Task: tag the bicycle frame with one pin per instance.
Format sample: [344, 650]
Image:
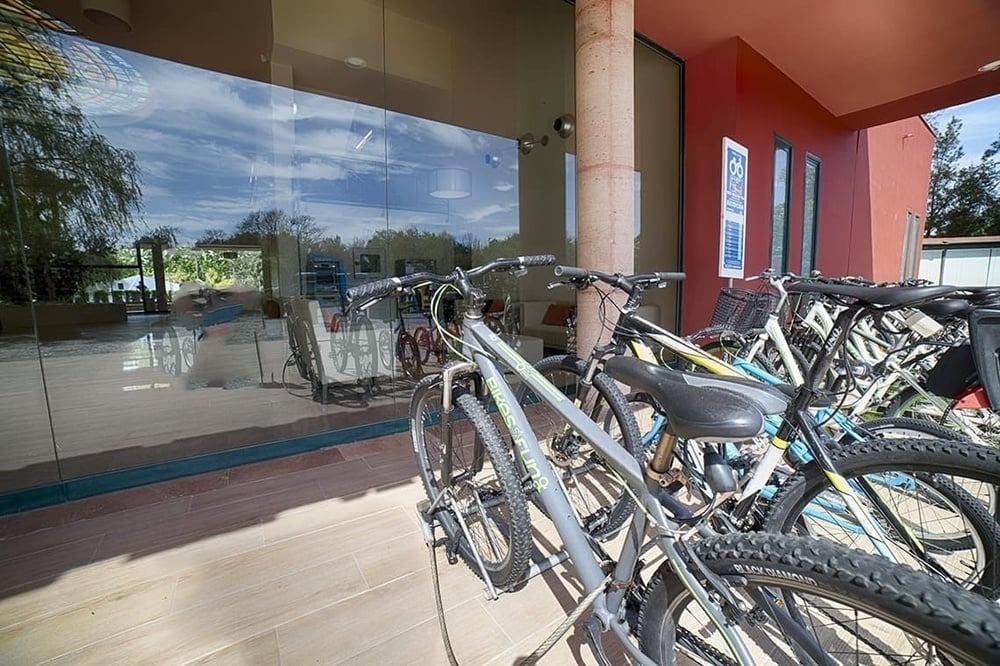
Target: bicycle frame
[780, 435]
[482, 345]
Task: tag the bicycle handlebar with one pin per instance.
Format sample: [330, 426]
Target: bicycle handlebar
[573, 274]
[387, 286]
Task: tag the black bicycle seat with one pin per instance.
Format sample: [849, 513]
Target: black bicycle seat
[886, 297]
[946, 307]
[707, 413]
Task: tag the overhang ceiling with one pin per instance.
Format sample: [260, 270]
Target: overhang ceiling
[866, 61]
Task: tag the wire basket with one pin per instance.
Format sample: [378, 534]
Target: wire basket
[741, 309]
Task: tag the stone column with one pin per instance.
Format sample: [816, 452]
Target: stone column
[605, 147]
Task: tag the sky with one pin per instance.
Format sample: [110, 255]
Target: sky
[980, 125]
[213, 148]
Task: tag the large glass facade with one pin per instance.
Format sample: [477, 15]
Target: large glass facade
[184, 205]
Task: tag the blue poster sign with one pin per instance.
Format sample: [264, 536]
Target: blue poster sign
[732, 233]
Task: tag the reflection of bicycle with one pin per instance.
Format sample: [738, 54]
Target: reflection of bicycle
[433, 338]
[506, 322]
[407, 351]
[354, 347]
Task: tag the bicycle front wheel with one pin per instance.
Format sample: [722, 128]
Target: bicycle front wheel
[598, 497]
[461, 456]
[926, 495]
[855, 608]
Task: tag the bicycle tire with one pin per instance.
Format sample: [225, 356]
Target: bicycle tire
[791, 569]
[910, 403]
[385, 350]
[425, 343]
[494, 506]
[912, 467]
[896, 427]
[409, 356]
[600, 501]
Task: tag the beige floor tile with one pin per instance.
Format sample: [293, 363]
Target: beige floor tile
[474, 639]
[333, 511]
[225, 621]
[386, 561]
[260, 650]
[39, 640]
[360, 623]
[82, 529]
[227, 576]
[119, 574]
[48, 564]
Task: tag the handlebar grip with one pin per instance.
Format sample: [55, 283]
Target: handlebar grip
[538, 260]
[671, 277]
[571, 272]
[376, 289]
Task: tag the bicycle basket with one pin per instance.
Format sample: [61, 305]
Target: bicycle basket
[740, 309]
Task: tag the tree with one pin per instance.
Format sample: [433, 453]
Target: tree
[963, 200]
[67, 196]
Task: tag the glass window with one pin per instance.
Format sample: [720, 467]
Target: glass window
[184, 294]
[810, 214]
[780, 204]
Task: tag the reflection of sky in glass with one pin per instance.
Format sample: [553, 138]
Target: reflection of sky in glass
[213, 148]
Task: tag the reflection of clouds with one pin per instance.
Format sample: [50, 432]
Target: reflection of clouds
[479, 214]
[215, 148]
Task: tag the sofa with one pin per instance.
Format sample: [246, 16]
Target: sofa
[547, 320]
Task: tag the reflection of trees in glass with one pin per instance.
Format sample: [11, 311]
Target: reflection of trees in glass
[77, 195]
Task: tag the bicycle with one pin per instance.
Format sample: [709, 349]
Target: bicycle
[874, 490]
[740, 584]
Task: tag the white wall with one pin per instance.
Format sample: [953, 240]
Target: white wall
[962, 266]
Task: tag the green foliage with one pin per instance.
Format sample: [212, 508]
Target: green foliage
[76, 198]
[963, 200]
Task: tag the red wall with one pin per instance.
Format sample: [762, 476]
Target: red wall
[899, 167]
[733, 91]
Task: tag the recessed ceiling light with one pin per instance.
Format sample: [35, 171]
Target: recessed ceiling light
[990, 66]
[355, 62]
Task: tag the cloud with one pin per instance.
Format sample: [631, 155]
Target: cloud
[504, 186]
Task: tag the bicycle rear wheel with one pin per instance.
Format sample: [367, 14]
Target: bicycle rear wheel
[481, 483]
[927, 491]
[859, 609]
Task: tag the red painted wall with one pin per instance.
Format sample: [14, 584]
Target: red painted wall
[733, 91]
[899, 166]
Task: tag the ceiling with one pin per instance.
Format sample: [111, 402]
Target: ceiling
[866, 61]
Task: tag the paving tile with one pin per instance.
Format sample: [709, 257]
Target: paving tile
[39, 640]
[83, 584]
[474, 639]
[261, 650]
[197, 632]
[358, 624]
[282, 466]
[229, 575]
[48, 564]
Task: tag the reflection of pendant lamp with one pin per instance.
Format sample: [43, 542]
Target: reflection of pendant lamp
[111, 14]
[450, 183]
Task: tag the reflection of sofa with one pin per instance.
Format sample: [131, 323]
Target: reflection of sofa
[547, 320]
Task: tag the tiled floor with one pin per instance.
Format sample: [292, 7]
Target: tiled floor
[314, 559]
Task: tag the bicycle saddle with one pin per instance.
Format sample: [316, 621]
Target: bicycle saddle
[891, 297]
[706, 413]
[946, 307]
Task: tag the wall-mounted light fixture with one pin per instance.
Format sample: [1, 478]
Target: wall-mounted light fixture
[450, 183]
[113, 15]
[565, 125]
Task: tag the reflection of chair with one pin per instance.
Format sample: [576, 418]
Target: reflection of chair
[306, 352]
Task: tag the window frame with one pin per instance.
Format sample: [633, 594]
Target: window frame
[781, 143]
[810, 218]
